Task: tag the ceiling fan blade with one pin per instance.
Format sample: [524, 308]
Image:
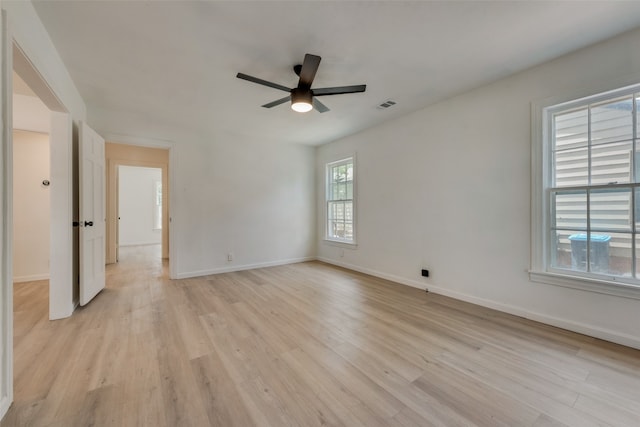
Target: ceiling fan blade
[338, 90]
[319, 106]
[308, 71]
[262, 82]
[277, 102]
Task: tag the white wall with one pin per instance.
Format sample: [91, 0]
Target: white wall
[448, 188]
[29, 113]
[230, 195]
[30, 206]
[251, 199]
[31, 210]
[136, 205]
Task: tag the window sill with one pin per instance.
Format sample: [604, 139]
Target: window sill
[340, 244]
[589, 284]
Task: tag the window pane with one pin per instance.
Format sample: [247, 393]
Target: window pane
[637, 96]
[571, 167]
[335, 173]
[348, 231]
[612, 257]
[333, 191]
[612, 121]
[611, 163]
[342, 173]
[637, 256]
[338, 229]
[609, 253]
[571, 129]
[342, 191]
[333, 211]
[570, 209]
[637, 209]
[340, 200]
[561, 250]
[610, 210]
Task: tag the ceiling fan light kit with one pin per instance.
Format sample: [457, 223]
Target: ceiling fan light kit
[302, 97]
[301, 100]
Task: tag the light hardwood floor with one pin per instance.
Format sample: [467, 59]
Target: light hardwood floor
[303, 345]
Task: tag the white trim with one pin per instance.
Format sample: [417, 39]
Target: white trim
[340, 244]
[31, 278]
[6, 223]
[5, 403]
[581, 328]
[140, 141]
[574, 281]
[209, 272]
[122, 245]
[391, 277]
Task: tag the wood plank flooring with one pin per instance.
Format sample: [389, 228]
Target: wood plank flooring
[303, 345]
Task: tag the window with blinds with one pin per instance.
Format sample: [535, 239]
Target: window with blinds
[340, 201]
[594, 186]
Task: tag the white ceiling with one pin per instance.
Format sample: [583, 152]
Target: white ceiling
[177, 60]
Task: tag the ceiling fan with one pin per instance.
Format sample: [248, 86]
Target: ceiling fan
[302, 97]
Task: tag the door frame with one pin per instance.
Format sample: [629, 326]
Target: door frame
[6, 220]
[62, 283]
[62, 300]
[171, 167]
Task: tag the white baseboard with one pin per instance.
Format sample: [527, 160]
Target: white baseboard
[581, 328]
[232, 268]
[122, 245]
[5, 403]
[391, 277]
[31, 278]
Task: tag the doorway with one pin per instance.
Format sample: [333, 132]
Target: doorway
[41, 133]
[140, 207]
[31, 204]
[138, 166]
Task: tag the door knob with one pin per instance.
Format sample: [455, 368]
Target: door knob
[88, 223]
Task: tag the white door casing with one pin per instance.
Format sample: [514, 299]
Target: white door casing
[92, 213]
[6, 185]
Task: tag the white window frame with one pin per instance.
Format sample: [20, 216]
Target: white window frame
[348, 243]
[157, 207]
[541, 178]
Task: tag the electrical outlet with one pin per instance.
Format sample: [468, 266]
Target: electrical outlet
[425, 273]
[230, 256]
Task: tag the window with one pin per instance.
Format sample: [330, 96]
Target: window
[340, 201]
[157, 205]
[587, 218]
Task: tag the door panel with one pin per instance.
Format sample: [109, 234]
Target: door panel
[92, 213]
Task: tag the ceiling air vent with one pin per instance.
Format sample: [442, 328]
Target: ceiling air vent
[386, 104]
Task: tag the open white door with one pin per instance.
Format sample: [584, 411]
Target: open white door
[92, 213]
